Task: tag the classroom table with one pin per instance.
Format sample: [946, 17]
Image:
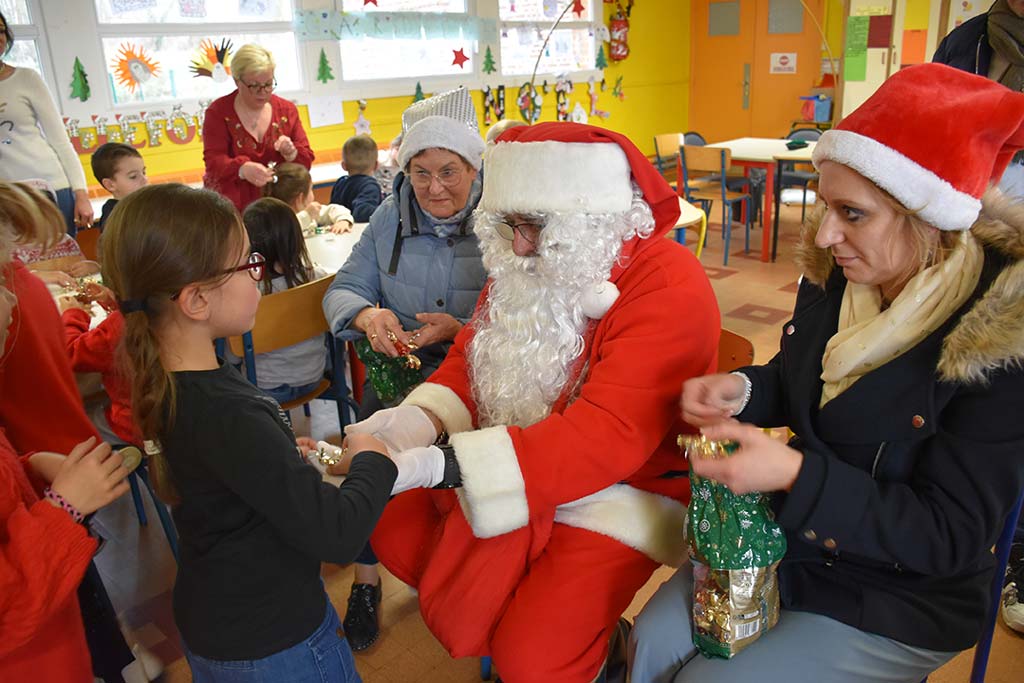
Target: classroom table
[761, 153]
[330, 251]
[803, 156]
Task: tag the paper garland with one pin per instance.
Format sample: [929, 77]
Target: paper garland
[311, 25]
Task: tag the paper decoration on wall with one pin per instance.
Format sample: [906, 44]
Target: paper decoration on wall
[488, 66]
[256, 8]
[460, 58]
[577, 8]
[370, 2]
[181, 128]
[333, 24]
[579, 114]
[563, 88]
[213, 61]
[193, 9]
[362, 124]
[601, 62]
[125, 6]
[619, 29]
[602, 34]
[529, 101]
[418, 95]
[550, 8]
[324, 72]
[133, 66]
[617, 89]
[489, 101]
[79, 82]
[592, 91]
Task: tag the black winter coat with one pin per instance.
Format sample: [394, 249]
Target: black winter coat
[966, 47]
[908, 475]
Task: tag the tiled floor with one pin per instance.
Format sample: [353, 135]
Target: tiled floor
[136, 564]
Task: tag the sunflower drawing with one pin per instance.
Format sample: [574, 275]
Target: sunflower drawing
[133, 66]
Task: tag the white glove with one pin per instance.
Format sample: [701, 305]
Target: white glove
[400, 428]
[420, 467]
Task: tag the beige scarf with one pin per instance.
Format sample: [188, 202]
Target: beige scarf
[868, 337]
[1006, 36]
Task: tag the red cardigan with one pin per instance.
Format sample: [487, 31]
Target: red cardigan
[40, 406]
[227, 145]
[93, 351]
[43, 556]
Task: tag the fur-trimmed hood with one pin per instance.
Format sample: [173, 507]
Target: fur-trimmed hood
[990, 335]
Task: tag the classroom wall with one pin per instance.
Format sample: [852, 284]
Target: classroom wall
[655, 80]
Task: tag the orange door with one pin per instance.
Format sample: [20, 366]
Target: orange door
[733, 91]
[721, 67]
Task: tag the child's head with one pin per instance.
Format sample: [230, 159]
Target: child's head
[274, 231]
[171, 255]
[119, 168]
[294, 186]
[359, 155]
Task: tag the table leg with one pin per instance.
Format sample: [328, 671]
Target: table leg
[769, 196]
[778, 205]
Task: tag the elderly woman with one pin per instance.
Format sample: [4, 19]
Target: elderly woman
[415, 274]
[901, 376]
[34, 142]
[246, 131]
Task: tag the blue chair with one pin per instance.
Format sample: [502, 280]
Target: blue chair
[141, 474]
[715, 160]
[1002, 552]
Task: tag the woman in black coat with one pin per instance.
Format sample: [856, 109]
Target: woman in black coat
[900, 374]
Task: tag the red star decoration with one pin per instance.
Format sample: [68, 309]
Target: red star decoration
[577, 7]
[370, 2]
[460, 58]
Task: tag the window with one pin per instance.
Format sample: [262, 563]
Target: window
[169, 64]
[411, 48]
[25, 51]
[525, 23]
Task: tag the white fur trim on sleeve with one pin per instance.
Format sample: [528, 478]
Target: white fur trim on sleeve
[493, 495]
[547, 176]
[935, 200]
[443, 402]
[645, 521]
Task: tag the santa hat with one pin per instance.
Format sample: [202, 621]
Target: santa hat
[576, 168]
[447, 121]
[933, 137]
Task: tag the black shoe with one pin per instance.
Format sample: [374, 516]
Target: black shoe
[361, 620]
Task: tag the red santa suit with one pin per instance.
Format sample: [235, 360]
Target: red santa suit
[560, 522]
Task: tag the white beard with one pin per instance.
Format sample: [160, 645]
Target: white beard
[530, 333]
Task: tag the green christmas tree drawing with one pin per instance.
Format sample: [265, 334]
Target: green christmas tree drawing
[324, 72]
[602, 61]
[488, 65]
[419, 93]
[80, 82]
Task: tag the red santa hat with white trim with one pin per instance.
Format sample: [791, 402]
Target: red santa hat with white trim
[575, 168]
[933, 137]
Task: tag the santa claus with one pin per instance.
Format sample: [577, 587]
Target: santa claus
[555, 413]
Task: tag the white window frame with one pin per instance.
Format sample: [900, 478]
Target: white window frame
[597, 12]
[35, 33]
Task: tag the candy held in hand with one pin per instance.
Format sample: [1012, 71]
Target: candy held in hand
[391, 378]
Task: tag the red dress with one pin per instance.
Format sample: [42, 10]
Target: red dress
[560, 523]
[227, 145]
[43, 556]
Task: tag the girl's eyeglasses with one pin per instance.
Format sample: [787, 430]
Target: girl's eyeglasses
[256, 266]
[508, 231]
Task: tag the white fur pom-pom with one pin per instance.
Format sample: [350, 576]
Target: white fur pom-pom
[598, 298]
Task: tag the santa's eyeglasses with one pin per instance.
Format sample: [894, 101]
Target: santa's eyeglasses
[527, 230]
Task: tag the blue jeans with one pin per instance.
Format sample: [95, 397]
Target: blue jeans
[286, 392]
[324, 657]
[66, 204]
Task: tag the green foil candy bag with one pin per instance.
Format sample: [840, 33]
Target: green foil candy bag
[391, 378]
[735, 546]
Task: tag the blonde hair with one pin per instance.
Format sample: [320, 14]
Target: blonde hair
[30, 216]
[293, 181]
[161, 239]
[250, 59]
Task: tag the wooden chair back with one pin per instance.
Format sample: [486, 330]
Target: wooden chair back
[700, 159]
[287, 318]
[88, 241]
[734, 351]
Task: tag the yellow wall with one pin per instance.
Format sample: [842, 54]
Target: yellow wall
[656, 81]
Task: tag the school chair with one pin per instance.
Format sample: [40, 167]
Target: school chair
[141, 474]
[790, 176]
[695, 160]
[685, 223]
[289, 317]
[734, 351]
[88, 241]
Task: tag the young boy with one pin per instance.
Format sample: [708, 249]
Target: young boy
[359, 190]
[120, 170]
